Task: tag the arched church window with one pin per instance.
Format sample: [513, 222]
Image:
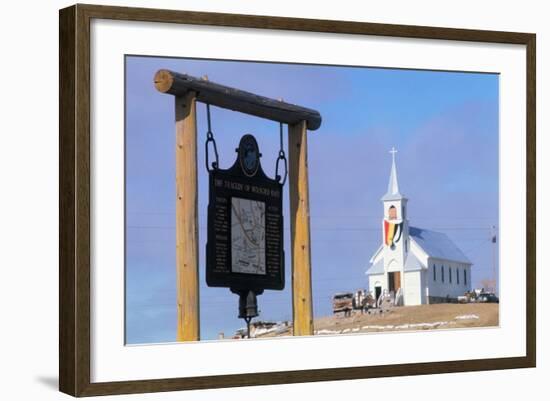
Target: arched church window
[457, 276]
[450, 275]
[442, 274]
[392, 213]
[435, 274]
[465, 282]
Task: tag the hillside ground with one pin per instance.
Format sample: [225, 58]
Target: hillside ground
[422, 317]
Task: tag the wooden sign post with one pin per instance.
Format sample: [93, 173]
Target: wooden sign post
[187, 91]
[302, 303]
[187, 239]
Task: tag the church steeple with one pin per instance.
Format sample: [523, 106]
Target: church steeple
[395, 232]
[395, 204]
[393, 186]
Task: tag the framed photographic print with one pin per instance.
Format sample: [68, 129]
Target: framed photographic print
[250, 200]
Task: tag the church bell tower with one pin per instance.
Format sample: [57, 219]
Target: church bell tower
[395, 231]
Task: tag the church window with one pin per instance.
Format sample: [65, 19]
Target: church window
[450, 275]
[465, 283]
[442, 274]
[435, 274]
[457, 276]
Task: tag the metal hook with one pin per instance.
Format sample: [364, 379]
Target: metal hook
[282, 157]
[277, 176]
[210, 138]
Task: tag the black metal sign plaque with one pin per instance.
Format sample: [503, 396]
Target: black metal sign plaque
[244, 249]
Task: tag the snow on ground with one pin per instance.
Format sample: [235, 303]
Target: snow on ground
[385, 327]
[467, 317]
[324, 331]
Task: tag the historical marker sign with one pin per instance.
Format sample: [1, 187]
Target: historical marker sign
[245, 225]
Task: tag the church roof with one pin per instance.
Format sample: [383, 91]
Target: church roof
[377, 268]
[437, 245]
[434, 244]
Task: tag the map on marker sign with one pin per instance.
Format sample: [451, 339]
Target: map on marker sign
[247, 236]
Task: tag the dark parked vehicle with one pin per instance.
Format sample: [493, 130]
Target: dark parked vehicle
[487, 297]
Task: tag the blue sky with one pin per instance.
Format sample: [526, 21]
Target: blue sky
[443, 124]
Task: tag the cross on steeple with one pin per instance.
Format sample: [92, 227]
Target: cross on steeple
[393, 186]
[393, 151]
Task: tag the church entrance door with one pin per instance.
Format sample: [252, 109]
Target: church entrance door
[377, 292]
[394, 281]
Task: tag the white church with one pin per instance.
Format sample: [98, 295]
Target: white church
[420, 266]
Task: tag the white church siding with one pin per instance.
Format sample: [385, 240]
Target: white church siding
[412, 288]
[447, 287]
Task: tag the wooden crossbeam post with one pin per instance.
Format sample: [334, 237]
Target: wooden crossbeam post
[187, 250]
[302, 305]
[188, 90]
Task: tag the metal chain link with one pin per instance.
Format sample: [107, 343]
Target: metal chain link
[282, 156]
[210, 138]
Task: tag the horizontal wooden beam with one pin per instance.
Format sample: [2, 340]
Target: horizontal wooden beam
[178, 84]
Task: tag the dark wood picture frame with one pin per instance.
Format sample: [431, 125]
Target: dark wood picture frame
[74, 199]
